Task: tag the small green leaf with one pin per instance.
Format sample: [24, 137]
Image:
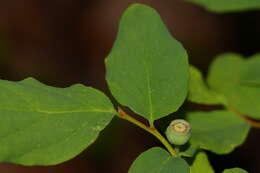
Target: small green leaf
[225, 77]
[42, 125]
[201, 164]
[235, 170]
[147, 68]
[228, 5]
[199, 91]
[217, 131]
[157, 160]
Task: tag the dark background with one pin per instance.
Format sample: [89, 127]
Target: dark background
[63, 42]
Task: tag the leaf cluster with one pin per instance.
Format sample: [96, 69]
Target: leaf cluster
[148, 72]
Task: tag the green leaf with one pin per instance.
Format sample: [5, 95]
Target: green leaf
[228, 5]
[157, 160]
[199, 91]
[250, 72]
[147, 68]
[201, 164]
[235, 170]
[217, 131]
[42, 125]
[225, 77]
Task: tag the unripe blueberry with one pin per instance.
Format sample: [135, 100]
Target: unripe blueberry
[178, 132]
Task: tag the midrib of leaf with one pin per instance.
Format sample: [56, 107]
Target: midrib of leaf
[32, 124]
[49, 145]
[58, 112]
[149, 91]
[163, 164]
[74, 111]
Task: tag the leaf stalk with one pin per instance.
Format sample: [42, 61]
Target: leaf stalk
[251, 122]
[122, 114]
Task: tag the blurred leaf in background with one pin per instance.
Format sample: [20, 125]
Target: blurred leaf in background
[228, 5]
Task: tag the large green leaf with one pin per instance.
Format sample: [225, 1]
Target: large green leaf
[201, 164]
[217, 131]
[225, 77]
[147, 68]
[199, 91]
[157, 160]
[42, 125]
[228, 5]
[235, 170]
